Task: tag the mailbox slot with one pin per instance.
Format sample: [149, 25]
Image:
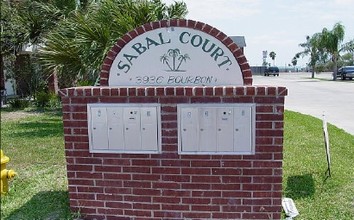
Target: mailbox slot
[216, 128]
[124, 128]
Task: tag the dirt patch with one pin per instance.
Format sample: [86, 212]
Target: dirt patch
[9, 116]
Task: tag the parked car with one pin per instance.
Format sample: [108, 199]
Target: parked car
[272, 70]
[346, 72]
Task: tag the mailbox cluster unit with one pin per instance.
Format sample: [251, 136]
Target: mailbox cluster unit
[216, 128]
[202, 128]
[133, 128]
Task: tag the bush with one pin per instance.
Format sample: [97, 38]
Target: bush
[19, 103]
[45, 99]
[42, 99]
[54, 101]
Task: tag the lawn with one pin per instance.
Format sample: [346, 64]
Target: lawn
[35, 146]
[305, 165]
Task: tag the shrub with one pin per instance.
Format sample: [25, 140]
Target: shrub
[54, 101]
[42, 99]
[50, 100]
[18, 103]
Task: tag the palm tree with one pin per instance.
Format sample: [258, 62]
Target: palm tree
[40, 17]
[32, 22]
[79, 45]
[182, 58]
[164, 59]
[331, 41]
[312, 48]
[272, 55]
[173, 53]
[27, 23]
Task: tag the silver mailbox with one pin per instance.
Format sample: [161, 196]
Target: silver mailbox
[216, 128]
[124, 128]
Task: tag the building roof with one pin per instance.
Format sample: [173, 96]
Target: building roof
[239, 41]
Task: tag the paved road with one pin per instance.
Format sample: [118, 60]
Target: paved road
[317, 96]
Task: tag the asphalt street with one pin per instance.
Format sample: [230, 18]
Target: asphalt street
[334, 99]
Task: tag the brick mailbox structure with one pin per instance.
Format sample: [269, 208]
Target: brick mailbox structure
[172, 182]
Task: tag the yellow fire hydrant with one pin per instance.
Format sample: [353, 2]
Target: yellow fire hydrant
[6, 175]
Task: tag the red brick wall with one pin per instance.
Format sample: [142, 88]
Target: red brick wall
[168, 185]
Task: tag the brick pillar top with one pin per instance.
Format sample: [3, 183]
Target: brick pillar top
[175, 53]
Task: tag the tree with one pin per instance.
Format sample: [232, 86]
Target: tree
[26, 23]
[312, 49]
[331, 41]
[29, 23]
[12, 38]
[78, 46]
[39, 18]
[346, 59]
[272, 55]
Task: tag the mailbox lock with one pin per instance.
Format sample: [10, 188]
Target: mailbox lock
[184, 129]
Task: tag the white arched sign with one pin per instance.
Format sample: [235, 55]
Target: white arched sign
[175, 56]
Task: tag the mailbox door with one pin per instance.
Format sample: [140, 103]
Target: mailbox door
[115, 128]
[132, 134]
[99, 133]
[188, 129]
[243, 129]
[149, 137]
[207, 129]
[224, 122]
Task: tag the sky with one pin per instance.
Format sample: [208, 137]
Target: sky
[273, 25]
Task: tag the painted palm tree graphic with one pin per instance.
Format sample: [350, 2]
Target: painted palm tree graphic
[177, 59]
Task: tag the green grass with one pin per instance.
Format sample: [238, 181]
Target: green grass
[305, 165]
[36, 149]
